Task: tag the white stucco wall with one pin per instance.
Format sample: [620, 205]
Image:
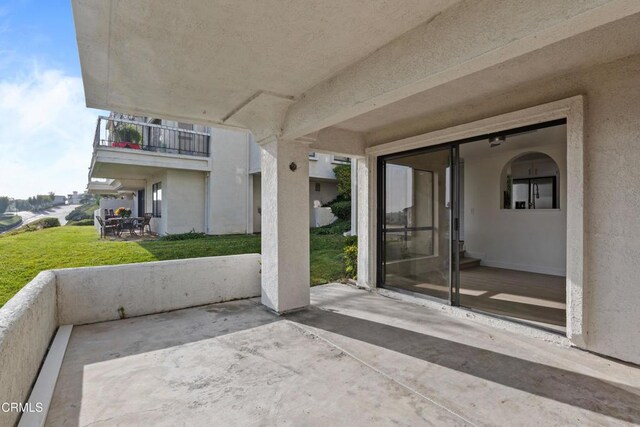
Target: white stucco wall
[183, 201]
[322, 166]
[27, 324]
[96, 294]
[120, 202]
[322, 216]
[29, 320]
[527, 240]
[229, 190]
[328, 192]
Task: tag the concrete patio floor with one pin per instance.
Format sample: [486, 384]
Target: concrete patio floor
[353, 358]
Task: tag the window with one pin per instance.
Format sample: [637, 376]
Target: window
[341, 160]
[410, 200]
[156, 207]
[530, 181]
[317, 186]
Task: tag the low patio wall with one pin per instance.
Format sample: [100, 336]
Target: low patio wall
[96, 294]
[96, 224]
[27, 324]
[29, 320]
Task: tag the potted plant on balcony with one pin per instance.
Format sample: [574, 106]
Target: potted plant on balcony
[127, 136]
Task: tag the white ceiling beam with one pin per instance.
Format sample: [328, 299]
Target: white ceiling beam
[457, 43]
[338, 141]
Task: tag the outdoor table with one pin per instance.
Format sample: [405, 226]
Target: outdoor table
[126, 223]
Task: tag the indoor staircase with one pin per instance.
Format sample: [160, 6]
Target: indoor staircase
[466, 261]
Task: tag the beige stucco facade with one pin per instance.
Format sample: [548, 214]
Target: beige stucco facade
[421, 74]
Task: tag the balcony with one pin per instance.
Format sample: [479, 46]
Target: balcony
[133, 135]
[129, 152]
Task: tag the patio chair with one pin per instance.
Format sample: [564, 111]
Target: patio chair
[130, 224]
[146, 222]
[105, 228]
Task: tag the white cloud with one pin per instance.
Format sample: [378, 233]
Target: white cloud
[46, 134]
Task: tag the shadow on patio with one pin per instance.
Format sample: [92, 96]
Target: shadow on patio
[565, 386]
[344, 359]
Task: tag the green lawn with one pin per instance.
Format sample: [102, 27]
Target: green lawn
[23, 256]
[8, 221]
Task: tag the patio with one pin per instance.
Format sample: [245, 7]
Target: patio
[353, 356]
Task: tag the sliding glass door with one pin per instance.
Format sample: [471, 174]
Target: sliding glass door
[415, 231]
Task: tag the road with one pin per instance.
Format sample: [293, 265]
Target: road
[58, 212]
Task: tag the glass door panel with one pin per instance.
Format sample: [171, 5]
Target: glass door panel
[416, 231]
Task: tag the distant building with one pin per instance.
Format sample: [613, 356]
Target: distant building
[74, 198]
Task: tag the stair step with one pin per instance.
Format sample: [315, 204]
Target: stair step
[467, 262]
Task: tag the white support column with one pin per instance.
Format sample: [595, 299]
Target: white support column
[285, 225]
[354, 196]
[366, 226]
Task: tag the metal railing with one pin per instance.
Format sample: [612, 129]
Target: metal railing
[134, 135]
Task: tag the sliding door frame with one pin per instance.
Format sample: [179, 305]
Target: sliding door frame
[454, 195]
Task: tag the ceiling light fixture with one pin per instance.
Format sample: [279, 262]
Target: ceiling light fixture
[494, 141]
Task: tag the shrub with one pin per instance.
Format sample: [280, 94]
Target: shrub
[47, 222]
[8, 222]
[340, 227]
[81, 222]
[184, 236]
[341, 209]
[351, 256]
[343, 175]
[40, 224]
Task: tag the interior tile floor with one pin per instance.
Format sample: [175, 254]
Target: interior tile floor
[533, 298]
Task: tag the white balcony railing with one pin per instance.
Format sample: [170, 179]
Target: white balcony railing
[134, 135]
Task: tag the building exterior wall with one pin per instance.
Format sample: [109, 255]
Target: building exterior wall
[120, 202]
[229, 196]
[158, 225]
[321, 166]
[328, 191]
[224, 199]
[183, 201]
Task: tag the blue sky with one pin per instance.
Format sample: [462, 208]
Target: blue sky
[45, 129]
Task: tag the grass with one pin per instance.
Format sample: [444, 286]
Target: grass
[8, 221]
[23, 256]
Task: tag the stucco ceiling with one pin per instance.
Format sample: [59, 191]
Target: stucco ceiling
[206, 58]
[604, 44]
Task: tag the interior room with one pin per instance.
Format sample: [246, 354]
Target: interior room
[500, 203]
